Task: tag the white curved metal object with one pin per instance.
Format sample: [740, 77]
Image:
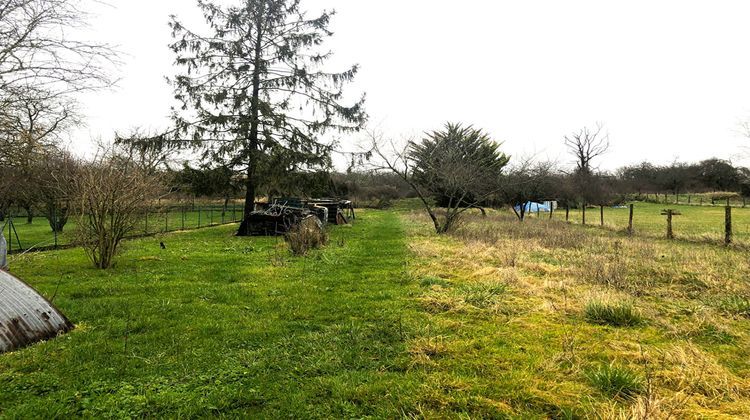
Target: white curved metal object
[26, 317]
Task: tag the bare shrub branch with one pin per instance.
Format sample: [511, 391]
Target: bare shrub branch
[113, 193]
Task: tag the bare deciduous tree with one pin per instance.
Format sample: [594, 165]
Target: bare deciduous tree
[55, 182]
[41, 66]
[112, 194]
[30, 133]
[36, 49]
[587, 144]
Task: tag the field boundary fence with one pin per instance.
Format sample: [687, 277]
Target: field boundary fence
[22, 236]
[729, 225]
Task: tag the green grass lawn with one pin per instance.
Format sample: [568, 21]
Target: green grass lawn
[497, 320]
[219, 324]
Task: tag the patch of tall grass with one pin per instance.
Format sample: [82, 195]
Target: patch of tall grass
[616, 381]
[613, 313]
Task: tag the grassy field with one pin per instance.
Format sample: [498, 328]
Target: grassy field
[497, 320]
[219, 324]
[570, 322]
[696, 223]
[38, 234]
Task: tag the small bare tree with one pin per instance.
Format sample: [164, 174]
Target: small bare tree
[586, 145]
[55, 182]
[112, 195]
[456, 168]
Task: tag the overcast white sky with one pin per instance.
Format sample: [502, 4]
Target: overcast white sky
[669, 78]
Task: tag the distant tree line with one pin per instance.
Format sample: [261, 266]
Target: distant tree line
[709, 175]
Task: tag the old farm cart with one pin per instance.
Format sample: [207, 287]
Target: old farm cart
[280, 215]
[25, 316]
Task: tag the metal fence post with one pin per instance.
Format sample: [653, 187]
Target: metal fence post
[10, 224]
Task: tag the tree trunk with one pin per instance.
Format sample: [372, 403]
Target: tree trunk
[250, 183]
[57, 217]
[583, 214]
[29, 214]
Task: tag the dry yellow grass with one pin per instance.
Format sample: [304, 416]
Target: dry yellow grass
[527, 348]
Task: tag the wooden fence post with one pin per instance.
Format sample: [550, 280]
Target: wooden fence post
[551, 209]
[601, 214]
[583, 214]
[199, 216]
[670, 232]
[689, 198]
[669, 213]
[728, 225]
[630, 220]
[567, 213]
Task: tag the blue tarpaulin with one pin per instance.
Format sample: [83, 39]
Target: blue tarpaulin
[532, 207]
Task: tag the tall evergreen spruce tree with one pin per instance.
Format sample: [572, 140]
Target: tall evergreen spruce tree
[254, 93]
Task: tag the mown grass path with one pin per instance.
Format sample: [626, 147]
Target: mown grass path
[219, 325]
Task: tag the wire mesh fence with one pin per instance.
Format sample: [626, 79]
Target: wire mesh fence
[24, 233]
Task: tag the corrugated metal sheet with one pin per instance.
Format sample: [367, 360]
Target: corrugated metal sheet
[25, 316]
